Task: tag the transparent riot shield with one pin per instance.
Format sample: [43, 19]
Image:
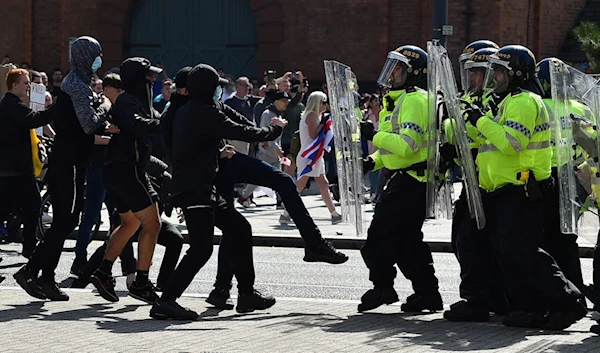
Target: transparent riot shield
[449, 93]
[342, 87]
[439, 189]
[574, 96]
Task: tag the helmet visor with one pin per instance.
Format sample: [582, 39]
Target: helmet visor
[464, 76]
[393, 60]
[477, 79]
[497, 75]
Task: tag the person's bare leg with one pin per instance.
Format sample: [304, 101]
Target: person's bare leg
[121, 235]
[324, 189]
[301, 183]
[150, 221]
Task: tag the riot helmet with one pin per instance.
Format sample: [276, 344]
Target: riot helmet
[476, 67]
[412, 60]
[511, 68]
[466, 54]
[543, 73]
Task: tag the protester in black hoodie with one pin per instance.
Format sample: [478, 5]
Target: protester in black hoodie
[126, 159]
[18, 188]
[77, 119]
[178, 99]
[198, 129]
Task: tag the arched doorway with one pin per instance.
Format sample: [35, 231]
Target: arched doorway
[187, 32]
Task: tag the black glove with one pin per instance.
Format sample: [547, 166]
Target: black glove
[367, 130]
[448, 152]
[473, 114]
[368, 164]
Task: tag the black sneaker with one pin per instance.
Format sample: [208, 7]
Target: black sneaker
[79, 283]
[376, 297]
[255, 301]
[523, 319]
[169, 309]
[219, 298]
[416, 303]
[52, 291]
[28, 282]
[560, 320]
[145, 293]
[105, 284]
[76, 269]
[462, 311]
[324, 252]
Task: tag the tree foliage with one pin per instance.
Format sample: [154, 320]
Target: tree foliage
[588, 34]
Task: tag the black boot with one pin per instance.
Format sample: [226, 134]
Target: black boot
[462, 311]
[220, 299]
[417, 303]
[376, 297]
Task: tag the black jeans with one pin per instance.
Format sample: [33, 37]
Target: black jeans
[532, 280]
[66, 184]
[20, 195]
[245, 169]
[201, 218]
[395, 237]
[169, 237]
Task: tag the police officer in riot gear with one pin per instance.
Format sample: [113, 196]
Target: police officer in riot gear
[562, 247]
[466, 55]
[402, 149]
[480, 286]
[514, 172]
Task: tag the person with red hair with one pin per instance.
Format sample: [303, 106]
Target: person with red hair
[18, 187]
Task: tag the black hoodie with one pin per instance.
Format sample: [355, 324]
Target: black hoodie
[133, 114]
[198, 129]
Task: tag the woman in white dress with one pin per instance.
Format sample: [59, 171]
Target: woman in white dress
[311, 123]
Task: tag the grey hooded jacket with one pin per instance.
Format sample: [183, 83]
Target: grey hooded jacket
[79, 114]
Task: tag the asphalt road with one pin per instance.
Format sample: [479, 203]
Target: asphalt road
[279, 271]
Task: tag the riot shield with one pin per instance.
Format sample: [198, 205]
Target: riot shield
[573, 98]
[439, 189]
[449, 93]
[342, 87]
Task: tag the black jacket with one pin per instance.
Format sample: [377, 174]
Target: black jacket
[133, 114]
[198, 129]
[166, 122]
[16, 119]
[72, 144]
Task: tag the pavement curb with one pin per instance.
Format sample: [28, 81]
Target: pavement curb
[340, 243]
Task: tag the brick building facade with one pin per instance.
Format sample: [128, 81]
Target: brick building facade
[294, 34]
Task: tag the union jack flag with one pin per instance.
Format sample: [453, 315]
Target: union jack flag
[315, 150]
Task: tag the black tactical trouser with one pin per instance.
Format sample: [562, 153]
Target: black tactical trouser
[562, 247]
[532, 280]
[481, 284]
[395, 237]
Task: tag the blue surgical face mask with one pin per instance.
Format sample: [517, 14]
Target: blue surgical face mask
[218, 93]
[96, 64]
